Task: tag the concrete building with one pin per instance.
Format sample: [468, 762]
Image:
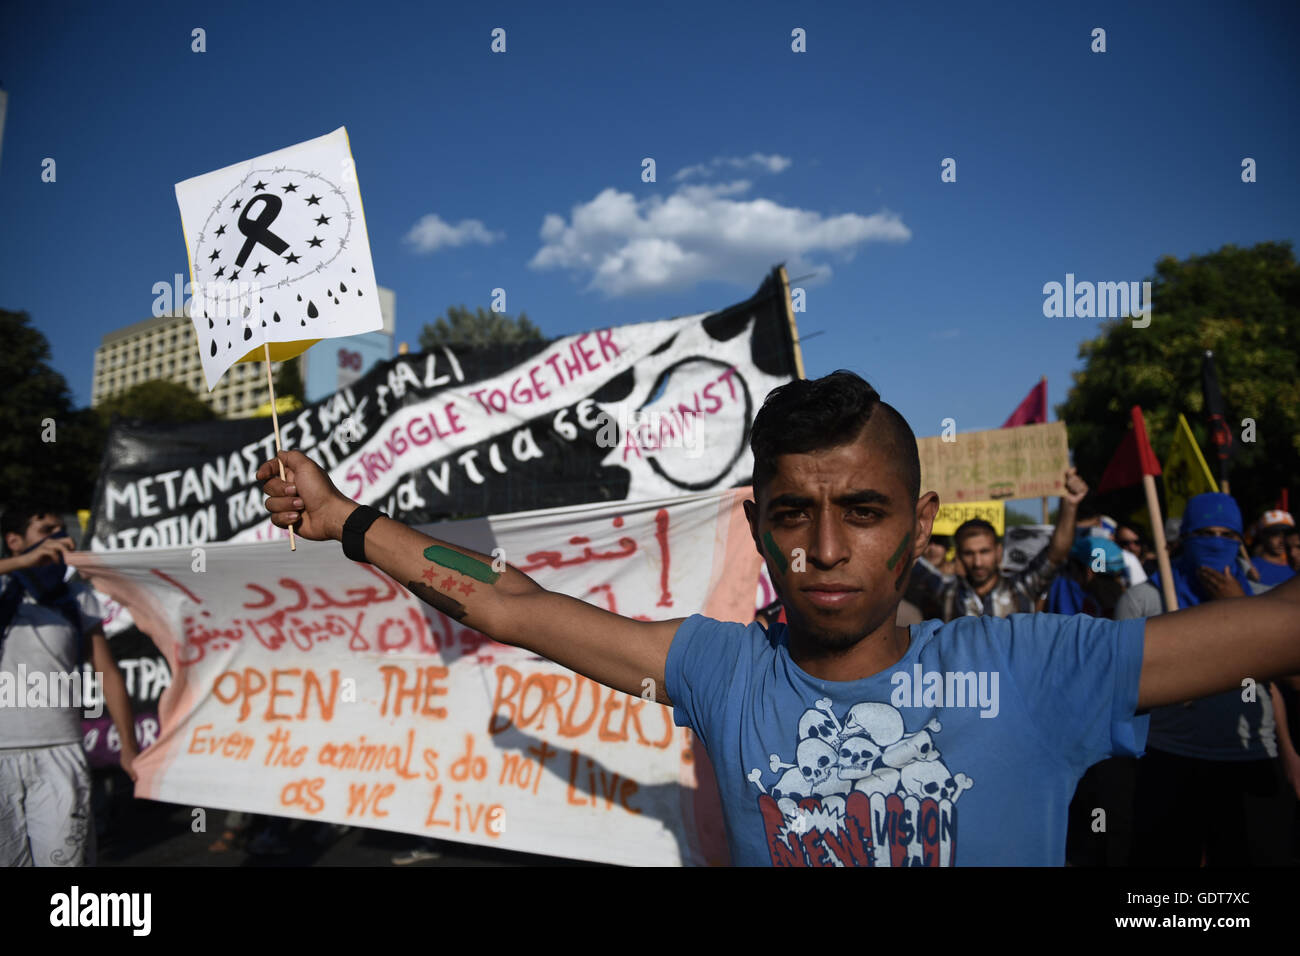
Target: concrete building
[336, 363]
[166, 348]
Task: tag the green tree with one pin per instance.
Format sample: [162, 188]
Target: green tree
[48, 449]
[463, 328]
[156, 401]
[1244, 304]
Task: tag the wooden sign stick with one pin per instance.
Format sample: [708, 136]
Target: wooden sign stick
[275, 424]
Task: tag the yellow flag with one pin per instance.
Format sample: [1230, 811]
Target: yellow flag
[1185, 472]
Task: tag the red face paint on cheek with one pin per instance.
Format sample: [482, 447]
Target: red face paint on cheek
[901, 559]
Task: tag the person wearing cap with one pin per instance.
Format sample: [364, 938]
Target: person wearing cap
[1271, 559]
[1205, 757]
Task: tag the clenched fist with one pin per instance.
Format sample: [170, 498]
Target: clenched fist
[305, 499]
[1076, 489]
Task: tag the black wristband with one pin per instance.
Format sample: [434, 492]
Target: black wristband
[354, 531]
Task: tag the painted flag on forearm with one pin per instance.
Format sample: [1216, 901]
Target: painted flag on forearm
[1133, 459]
[278, 254]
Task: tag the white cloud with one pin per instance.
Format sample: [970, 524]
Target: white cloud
[623, 245]
[431, 234]
[755, 162]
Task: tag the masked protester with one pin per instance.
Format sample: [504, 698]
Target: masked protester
[49, 626]
[1206, 759]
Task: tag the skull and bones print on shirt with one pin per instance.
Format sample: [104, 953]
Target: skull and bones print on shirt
[872, 793]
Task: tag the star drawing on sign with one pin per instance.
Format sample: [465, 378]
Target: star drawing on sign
[236, 204]
[259, 185]
[291, 258]
[259, 270]
[323, 220]
[220, 272]
[221, 230]
[213, 257]
[313, 200]
[291, 188]
[234, 275]
[313, 241]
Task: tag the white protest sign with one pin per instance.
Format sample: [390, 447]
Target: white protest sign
[278, 254]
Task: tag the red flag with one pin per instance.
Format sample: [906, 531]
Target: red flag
[1133, 459]
[1033, 410]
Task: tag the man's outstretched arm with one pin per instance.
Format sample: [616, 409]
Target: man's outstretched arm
[509, 607]
[1214, 646]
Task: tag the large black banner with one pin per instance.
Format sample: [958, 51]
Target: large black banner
[633, 411]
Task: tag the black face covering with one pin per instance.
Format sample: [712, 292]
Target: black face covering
[47, 586]
[46, 582]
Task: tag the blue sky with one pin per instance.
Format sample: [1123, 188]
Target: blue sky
[1067, 161]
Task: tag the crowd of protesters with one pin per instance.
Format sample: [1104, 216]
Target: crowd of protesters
[1218, 784]
[1220, 779]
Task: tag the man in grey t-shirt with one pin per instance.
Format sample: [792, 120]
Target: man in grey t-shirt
[47, 626]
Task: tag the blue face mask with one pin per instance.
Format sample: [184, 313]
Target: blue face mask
[45, 583]
[1216, 553]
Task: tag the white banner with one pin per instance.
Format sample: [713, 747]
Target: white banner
[305, 685]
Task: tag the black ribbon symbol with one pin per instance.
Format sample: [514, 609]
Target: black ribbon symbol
[257, 230]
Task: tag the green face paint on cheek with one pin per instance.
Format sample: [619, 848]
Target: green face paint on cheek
[900, 560]
[774, 552]
[463, 563]
[902, 546]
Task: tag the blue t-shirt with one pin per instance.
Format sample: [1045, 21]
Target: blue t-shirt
[968, 750]
[1270, 573]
